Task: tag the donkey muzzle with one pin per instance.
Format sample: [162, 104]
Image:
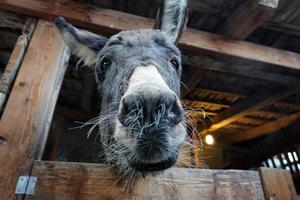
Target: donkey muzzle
[146, 108]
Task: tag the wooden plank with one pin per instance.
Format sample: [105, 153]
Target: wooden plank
[278, 184]
[255, 71]
[246, 106]
[109, 21]
[263, 130]
[26, 119]
[249, 15]
[62, 181]
[15, 60]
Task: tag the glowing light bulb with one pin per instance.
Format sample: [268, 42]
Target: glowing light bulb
[209, 139]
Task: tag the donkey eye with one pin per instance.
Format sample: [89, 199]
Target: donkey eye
[175, 63]
[105, 63]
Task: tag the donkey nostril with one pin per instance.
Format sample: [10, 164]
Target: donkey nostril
[175, 112]
[169, 109]
[131, 111]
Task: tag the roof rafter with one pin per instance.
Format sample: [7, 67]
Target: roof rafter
[109, 21]
[249, 15]
[246, 106]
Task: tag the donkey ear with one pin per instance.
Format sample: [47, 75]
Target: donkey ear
[83, 44]
[172, 17]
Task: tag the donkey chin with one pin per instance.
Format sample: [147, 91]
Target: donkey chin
[150, 125]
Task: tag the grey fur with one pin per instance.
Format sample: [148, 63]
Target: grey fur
[127, 50]
[172, 18]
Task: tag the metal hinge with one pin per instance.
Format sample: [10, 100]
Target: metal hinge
[26, 185]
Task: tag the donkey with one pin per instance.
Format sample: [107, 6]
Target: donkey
[142, 123]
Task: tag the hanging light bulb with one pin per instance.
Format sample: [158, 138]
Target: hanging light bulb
[209, 139]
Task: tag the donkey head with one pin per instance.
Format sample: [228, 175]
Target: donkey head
[141, 122]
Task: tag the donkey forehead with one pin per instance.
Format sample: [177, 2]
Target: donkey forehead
[145, 38]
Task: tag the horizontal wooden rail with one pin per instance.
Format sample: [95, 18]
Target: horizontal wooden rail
[58, 181]
[109, 21]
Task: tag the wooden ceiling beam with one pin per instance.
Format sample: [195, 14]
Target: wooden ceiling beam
[249, 15]
[263, 130]
[254, 71]
[246, 106]
[109, 21]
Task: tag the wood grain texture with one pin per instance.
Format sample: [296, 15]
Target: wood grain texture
[278, 184]
[255, 71]
[15, 60]
[27, 116]
[109, 21]
[66, 181]
[249, 15]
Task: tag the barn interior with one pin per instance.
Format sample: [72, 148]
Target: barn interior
[240, 83]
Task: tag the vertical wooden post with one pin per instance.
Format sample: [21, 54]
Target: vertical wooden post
[277, 184]
[26, 119]
[15, 60]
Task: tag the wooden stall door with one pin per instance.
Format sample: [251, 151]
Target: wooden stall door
[86, 181]
[25, 122]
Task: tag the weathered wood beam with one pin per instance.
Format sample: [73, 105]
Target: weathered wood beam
[265, 129]
[26, 119]
[246, 106]
[109, 21]
[15, 60]
[59, 180]
[256, 71]
[249, 15]
[277, 183]
[272, 145]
